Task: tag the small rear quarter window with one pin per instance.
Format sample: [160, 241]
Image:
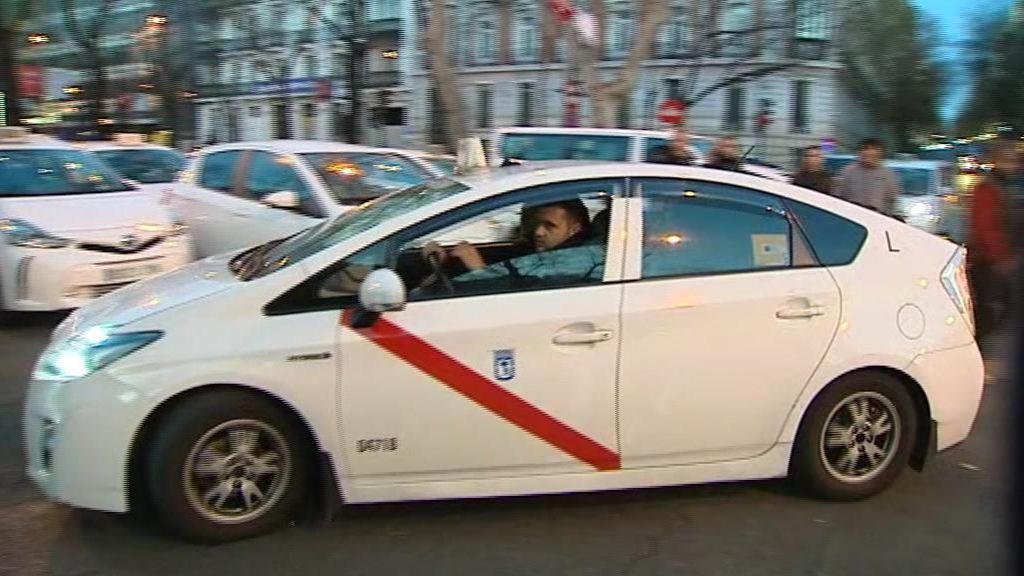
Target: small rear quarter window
[835, 240]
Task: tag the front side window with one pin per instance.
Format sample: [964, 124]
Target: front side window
[354, 178]
[697, 228]
[547, 237]
[39, 172]
[565, 147]
[218, 170]
[269, 173]
[148, 166]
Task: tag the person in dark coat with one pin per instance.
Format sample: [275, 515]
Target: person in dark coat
[812, 173]
[677, 151]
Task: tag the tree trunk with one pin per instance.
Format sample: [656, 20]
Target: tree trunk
[441, 74]
[607, 96]
[100, 89]
[9, 76]
[504, 31]
[356, 66]
[549, 32]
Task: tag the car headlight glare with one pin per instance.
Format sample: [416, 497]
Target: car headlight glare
[18, 232]
[92, 350]
[919, 209]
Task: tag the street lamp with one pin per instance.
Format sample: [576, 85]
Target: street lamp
[156, 20]
[38, 39]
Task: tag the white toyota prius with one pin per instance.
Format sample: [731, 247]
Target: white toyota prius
[71, 230]
[645, 325]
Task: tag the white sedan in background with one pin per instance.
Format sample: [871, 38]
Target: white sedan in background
[704, 326]
[237, 195]
[71, 230]
[148, 165]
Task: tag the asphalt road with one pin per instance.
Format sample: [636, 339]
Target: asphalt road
[949, 520]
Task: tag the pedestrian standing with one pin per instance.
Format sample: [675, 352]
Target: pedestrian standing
[993, 240]
[676, 151]
[812, 173]
[725, 154]
[868, 182]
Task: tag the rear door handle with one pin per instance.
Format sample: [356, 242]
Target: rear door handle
[575, 338]
[800, 312]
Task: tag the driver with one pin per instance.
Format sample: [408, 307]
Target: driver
[551, 226]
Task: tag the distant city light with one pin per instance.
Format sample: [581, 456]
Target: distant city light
[156, 20]
[38, 38]
[389, 54]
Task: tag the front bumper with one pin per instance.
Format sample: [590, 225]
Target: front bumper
[35, 279]
[78, 438]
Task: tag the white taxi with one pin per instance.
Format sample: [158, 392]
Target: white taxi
[148, 165]
[71, 230]
[702, 326]
[238, 195]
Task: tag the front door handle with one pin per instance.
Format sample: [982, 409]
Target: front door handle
[575, 338]
[800, 312]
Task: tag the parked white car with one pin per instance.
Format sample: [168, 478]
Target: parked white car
[609, 144]
[71, 230]
[239, 195]
[706, 326]
[149, 165]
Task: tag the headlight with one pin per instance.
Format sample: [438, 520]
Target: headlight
[92, 350]
[21, 233]
[919, 209]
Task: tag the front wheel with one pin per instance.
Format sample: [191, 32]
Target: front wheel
[856, 437]
[227, 465]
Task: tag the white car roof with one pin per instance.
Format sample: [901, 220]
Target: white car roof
[34, 142]
[97, 146]
[311, 146]
[630, 132]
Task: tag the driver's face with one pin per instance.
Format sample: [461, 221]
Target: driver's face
[554, 226]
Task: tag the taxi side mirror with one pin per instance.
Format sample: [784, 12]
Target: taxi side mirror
[285, 200]
[381, 291]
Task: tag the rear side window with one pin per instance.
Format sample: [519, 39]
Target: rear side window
[218, 170]
[696, 228]
[835, 240]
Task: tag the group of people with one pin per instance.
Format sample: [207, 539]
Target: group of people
[724, 155]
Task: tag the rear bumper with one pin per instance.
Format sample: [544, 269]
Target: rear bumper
[953, 381]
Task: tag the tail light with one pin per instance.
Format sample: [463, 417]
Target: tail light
[954, 280]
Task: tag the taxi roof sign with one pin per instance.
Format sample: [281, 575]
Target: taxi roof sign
[13, 133]
[129, 139]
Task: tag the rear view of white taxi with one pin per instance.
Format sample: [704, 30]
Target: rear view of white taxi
[71, 230]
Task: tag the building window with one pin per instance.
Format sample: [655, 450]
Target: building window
[484, 103]
[672, 88]
[485, 42]
[673, 39]
[624, 113]
[735, 105]
[800, 112]
[526, 39]
[812, 18]
[621, 37]
[338, 64]
[525, 116]
[735, 24]
[436, 117]
[254, 111]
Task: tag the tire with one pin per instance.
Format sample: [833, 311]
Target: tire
[832, 431]
[215, 448]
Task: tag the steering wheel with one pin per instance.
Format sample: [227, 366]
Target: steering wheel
[439, 273]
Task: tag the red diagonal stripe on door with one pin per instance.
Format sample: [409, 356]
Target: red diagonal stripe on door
[484, 392]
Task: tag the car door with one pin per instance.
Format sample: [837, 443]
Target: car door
[265, 173]
[199, 201]
[511, 372]
[727, 321]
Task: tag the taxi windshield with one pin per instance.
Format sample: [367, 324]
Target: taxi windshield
[355, 177]
[56, 171]
[279, 254]
[145, 165]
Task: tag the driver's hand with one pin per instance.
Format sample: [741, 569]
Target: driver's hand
[469, 255]
[435, 249]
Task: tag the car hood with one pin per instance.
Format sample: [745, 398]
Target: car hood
[75, 212]
[158, 294]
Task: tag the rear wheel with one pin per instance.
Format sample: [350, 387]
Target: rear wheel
[856, 437]
[227, 465]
